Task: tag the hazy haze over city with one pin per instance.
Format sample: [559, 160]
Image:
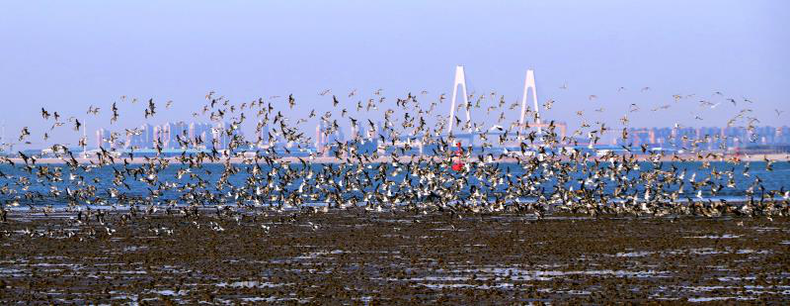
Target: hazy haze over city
[67, 56]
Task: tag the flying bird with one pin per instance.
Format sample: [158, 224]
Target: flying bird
[151, 110]
[24, 133]
[114, 110]
[548, 104]
[77, 124]
[92, 110]
[291, 101]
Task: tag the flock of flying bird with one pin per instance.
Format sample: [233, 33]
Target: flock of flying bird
[544, 174]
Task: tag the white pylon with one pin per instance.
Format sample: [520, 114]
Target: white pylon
[529, 82]
[85, 142]
[460, 79]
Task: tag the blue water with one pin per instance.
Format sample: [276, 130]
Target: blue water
[37, 191]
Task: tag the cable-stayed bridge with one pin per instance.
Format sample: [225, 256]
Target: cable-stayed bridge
[529, 83]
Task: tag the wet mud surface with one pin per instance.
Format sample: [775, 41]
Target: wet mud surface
[357, 257]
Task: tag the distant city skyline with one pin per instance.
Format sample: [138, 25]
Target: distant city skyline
[67, 57]
[182, 135]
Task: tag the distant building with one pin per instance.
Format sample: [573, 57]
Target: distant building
[319, 137]
[146, 136]
[102, 138]
[707, 138]
[265, 133]
[200, 133]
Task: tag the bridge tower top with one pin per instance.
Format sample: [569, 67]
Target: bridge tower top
[460, 79]
[529, 82]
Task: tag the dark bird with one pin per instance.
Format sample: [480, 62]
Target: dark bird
[25, 132]
[151, 110]
[114, 113]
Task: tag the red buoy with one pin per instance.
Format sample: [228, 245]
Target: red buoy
[458, 165]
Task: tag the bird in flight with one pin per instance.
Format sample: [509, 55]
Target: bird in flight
[624, 120]
[666, 106]
[92, 110]
[291, 101]
[77, 124]
[25, 132]
[114, 113]
[548, 104]
[151, 110]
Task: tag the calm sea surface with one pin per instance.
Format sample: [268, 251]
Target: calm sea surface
[38, 190]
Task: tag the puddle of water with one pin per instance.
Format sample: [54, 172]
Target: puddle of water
[170, 292]
[134, 248]
[252, 284]
[750, 251]
[633, 254]
[451, 286]
[697, 251]
[724, 236]
[484, 274]
[718, 298]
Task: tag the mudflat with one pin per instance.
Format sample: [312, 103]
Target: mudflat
[361, 257]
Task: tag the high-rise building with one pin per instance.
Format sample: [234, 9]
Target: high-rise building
[320, 139]
[263, 132]
[172, 131]
[220, 136]
[200, 133]
[354, 133]
[103, 139]
[142, 137]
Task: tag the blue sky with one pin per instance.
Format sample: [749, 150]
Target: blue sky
[66, 56]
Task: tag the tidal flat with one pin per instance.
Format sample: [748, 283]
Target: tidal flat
[361, 257]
